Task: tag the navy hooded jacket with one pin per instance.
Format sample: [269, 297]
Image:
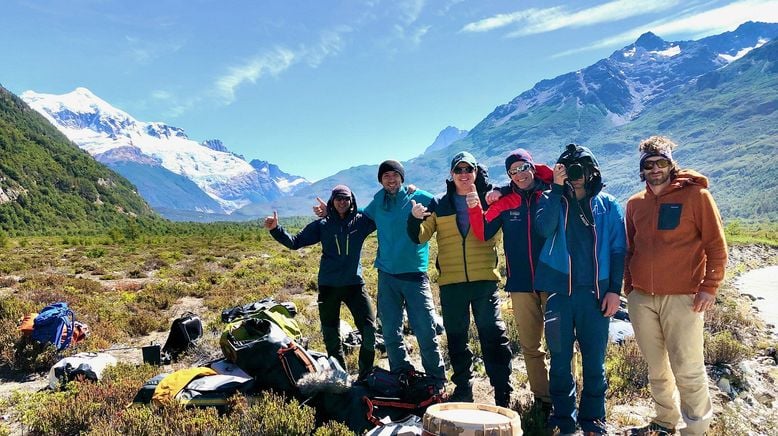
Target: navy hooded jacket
[341, 243]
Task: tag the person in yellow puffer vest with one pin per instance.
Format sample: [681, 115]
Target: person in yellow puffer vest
[468, 279]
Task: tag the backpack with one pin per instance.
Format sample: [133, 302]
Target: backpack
[280, 314]
[87, 366]
[183, 333]
[171, 385]
[213, 390]
[251, 309]
[54, 324]
[262, 349]
[412, 392]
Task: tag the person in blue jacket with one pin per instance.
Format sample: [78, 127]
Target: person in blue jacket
[581, 266]
[341, 234]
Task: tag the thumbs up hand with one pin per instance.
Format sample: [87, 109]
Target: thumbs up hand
[320, 210]
[271, 222]
[418, 210]
[472, 197]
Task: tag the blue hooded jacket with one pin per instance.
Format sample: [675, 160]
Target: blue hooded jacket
[341, 243]
[610, 240]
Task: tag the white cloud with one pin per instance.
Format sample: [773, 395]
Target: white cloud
[278, 60]
[695, 25]
[272, 63]
[330, 44]
[410, 10]
[534, 21]
[143, 52]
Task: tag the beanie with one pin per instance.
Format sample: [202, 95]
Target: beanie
[391, 165]
[517, 155]
[340, 191]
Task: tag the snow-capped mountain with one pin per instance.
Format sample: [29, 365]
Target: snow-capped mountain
[445, 138]
[622, 85]
[146, 151]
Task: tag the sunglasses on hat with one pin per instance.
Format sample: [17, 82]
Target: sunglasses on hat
[649, 164]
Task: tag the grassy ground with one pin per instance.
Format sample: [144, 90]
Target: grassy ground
[128, 291]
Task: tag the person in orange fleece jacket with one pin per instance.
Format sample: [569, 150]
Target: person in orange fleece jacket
[676, 255]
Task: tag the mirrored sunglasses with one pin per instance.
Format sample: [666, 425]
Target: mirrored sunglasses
[526, 167]
[460, 170]
[661, 163]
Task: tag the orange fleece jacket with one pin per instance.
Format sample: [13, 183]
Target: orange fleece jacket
[675, 241]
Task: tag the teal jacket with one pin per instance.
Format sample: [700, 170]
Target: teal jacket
[397, 254]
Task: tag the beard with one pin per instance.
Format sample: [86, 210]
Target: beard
[659, 180]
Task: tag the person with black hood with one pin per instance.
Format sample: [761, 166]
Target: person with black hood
[581, 266]
[514, 213]
[341, 234]
[468, 280]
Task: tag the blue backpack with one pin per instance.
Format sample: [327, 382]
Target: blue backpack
[50, 324]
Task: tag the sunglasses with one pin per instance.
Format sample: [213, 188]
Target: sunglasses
[649, 164]
[460, 170]
[526, 167]
[341, 198]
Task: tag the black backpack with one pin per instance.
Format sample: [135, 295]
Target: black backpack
[183, 333]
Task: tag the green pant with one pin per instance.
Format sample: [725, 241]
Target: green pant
[362, 310]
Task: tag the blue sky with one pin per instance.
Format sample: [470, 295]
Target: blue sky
[318, 86]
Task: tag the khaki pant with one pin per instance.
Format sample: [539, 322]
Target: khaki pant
[669, 334]
[528, 308]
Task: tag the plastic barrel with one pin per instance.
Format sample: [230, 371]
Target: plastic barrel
[470, 419]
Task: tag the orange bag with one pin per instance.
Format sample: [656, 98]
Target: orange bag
[26, 324]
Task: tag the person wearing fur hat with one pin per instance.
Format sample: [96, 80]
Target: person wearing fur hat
[676, 256]
[468, 280]
[341, 234]
[514, 213]
[581, 266]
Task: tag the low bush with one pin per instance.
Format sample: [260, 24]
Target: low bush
[723, 347]
[626, 370]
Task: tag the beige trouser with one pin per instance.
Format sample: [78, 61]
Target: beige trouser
[528, 308]
[669, 334]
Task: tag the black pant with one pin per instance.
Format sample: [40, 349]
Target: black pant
[456, 301]
[363, 312]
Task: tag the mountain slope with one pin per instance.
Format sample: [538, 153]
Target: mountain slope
[715, 97]
[185, 175]
[47, 183]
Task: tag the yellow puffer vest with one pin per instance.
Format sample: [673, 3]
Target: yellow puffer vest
[459, 259]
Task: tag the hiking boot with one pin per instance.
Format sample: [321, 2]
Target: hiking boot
[502, 398]
[461, 395]
[652, 429]
[545, 408]
[594, 427]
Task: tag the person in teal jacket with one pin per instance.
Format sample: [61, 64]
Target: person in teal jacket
[402, 274]
[341, 234]
[581, 266]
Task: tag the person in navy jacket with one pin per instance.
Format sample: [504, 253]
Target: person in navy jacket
[581, 266]
[341, 234]
[514, 212]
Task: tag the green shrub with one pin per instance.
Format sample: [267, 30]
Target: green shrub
[333, 428]
[626, 370]
[723, 347]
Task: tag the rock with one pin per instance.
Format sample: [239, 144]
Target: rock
[725, 386]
